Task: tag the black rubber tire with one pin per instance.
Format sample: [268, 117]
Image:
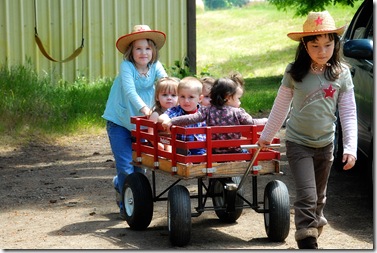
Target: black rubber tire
[277, 219]
[179, 215]
[137, 201]
[219, 200]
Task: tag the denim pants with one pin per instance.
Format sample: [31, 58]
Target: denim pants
[121, 146]
[310, 168]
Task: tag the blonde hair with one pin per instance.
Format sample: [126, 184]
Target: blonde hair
[128, 53]
[207, 83]
[192, 83]
[165, 84]
[238, 78]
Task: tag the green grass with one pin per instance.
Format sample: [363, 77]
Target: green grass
[259, 95]
[250, 40]
[34, 105]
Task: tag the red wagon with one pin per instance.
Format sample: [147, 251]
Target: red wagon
[220, 177]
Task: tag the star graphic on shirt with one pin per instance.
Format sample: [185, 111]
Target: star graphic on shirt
[318, 21]
[329, 92]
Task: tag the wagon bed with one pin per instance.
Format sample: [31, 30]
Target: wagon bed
[209, 164]
[220, 177]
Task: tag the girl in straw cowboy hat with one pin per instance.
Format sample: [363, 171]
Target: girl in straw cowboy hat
[132, 94]
[313, 87]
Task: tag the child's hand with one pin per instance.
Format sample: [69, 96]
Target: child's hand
[166, 124]
[163, 117]
[349, 161]
[263, 144]
[146, 111]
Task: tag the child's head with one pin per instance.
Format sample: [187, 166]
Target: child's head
[166, 94]
[318, 43]
[321, 49]
[189, 93]
[141, 34]
[238, 78]
[227, 91]
[136, 45]
[207, 86]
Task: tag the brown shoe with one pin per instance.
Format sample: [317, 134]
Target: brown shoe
[307, 243]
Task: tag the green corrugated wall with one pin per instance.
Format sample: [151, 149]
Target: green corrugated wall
[59, 25]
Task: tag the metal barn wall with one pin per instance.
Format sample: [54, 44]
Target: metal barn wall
[59, 26]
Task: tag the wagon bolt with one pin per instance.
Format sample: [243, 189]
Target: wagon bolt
[231, 187]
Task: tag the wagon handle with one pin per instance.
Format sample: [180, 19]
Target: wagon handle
[251, 146]
[255, 146]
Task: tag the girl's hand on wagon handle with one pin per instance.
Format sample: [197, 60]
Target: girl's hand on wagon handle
[263, 144]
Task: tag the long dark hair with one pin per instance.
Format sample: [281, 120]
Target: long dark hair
[301, 65]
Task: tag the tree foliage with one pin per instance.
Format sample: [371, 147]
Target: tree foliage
[224, 4]
[303, 7]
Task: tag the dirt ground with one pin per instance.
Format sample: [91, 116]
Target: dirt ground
[60, 196]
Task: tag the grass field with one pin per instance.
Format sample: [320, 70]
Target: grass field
[253, 41]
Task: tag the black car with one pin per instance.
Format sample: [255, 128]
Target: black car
[357, 50]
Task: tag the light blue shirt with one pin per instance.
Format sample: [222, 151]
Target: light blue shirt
[130, 92]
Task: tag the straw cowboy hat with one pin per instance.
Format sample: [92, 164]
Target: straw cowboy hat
[315, 24]
[141, 32]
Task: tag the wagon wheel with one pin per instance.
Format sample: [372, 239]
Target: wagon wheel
[228, 206]
[179, 215]
[137, 201]
[276, 220]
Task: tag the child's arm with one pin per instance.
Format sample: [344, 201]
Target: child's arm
[154, 118]
[246, 119]
[129, 88]
[165, 120]
[277, 116]
[261, 121]
[189, 119]
[183, 120]
[145, 110]
[163, 117]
